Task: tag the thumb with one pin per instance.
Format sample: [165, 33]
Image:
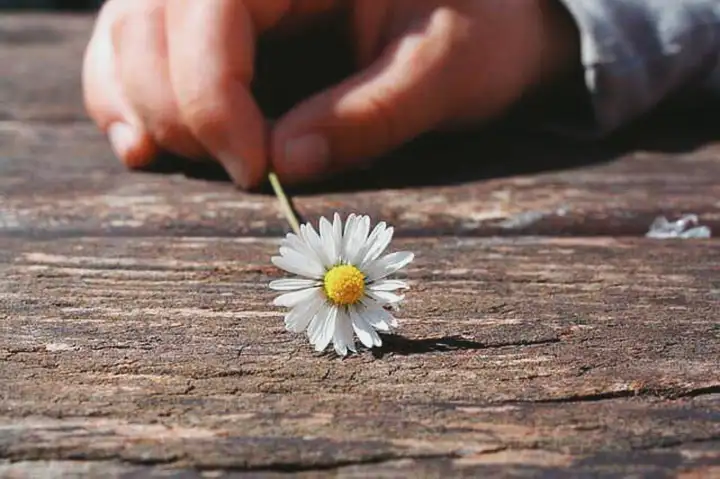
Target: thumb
[395, 99]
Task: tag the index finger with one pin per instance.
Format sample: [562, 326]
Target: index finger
[211, 49]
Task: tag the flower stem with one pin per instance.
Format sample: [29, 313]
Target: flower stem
[285, 205]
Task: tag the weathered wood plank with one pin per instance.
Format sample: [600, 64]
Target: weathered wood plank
[63, 180]
[41, 61]
[592, 354]
[692, 461]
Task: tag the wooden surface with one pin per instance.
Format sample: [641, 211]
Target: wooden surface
[543, 335]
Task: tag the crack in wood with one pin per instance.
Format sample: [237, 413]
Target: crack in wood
[297, 467]
[669, 443]
[668, 393]
[181, 460]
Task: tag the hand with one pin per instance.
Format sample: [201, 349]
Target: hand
[175, 75]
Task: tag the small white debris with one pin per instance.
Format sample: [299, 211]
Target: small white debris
[664, 229]
[56, 347]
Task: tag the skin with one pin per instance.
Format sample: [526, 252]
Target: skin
[175, 75]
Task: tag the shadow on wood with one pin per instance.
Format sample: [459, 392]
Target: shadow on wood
[448, 159]
[400, 345]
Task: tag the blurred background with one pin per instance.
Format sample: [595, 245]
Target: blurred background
[50, 4]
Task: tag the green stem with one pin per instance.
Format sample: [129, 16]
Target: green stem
[285, 205]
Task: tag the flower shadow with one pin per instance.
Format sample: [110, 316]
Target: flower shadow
[400, 345]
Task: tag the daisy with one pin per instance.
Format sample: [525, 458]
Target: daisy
[344, 286]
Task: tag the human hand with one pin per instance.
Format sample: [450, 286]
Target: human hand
[176, 74]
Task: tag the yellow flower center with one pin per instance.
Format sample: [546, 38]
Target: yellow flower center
[344, 284]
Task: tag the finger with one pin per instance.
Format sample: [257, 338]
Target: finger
[211, 48]
[142, 61]
[104, 98]
[398, 97]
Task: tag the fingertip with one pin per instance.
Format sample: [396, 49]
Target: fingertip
[132, 146]
[104, 99]
[235, 168]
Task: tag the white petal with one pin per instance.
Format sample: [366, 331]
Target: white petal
[291, 284]
[348, 331]
[385, 297]
[308, 233]
[378, 318]
[370, 241]
[387, 285]
[388, 265]
[337, 227]
[343, 338]
[306, 258]
[290, 300]
[317, 324]
[328, 241]
[357, 239]
[298, 319]
[328, 330]
[365, 333]
[349, 230]
[294, 262]
[339, 346]
[377, 247]
[349, 222]
[295, 242]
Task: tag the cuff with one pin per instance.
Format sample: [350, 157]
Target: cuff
[636, 53]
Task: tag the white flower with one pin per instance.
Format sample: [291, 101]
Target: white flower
[344, 288]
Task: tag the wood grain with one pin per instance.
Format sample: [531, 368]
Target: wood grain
[39, 73]
[63, 180]
[523, 354]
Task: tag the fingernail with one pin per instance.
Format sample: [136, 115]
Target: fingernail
[123, 139]
[306, 156]
[235, 168]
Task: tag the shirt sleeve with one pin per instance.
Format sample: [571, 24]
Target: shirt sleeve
[637, 53]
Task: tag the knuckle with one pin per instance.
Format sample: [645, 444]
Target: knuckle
[164, 130]
[119, 21]
[173, 136]
[124, 19]
[201, 113]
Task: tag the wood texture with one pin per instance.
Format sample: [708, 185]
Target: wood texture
[137, 338]
[165, 350]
